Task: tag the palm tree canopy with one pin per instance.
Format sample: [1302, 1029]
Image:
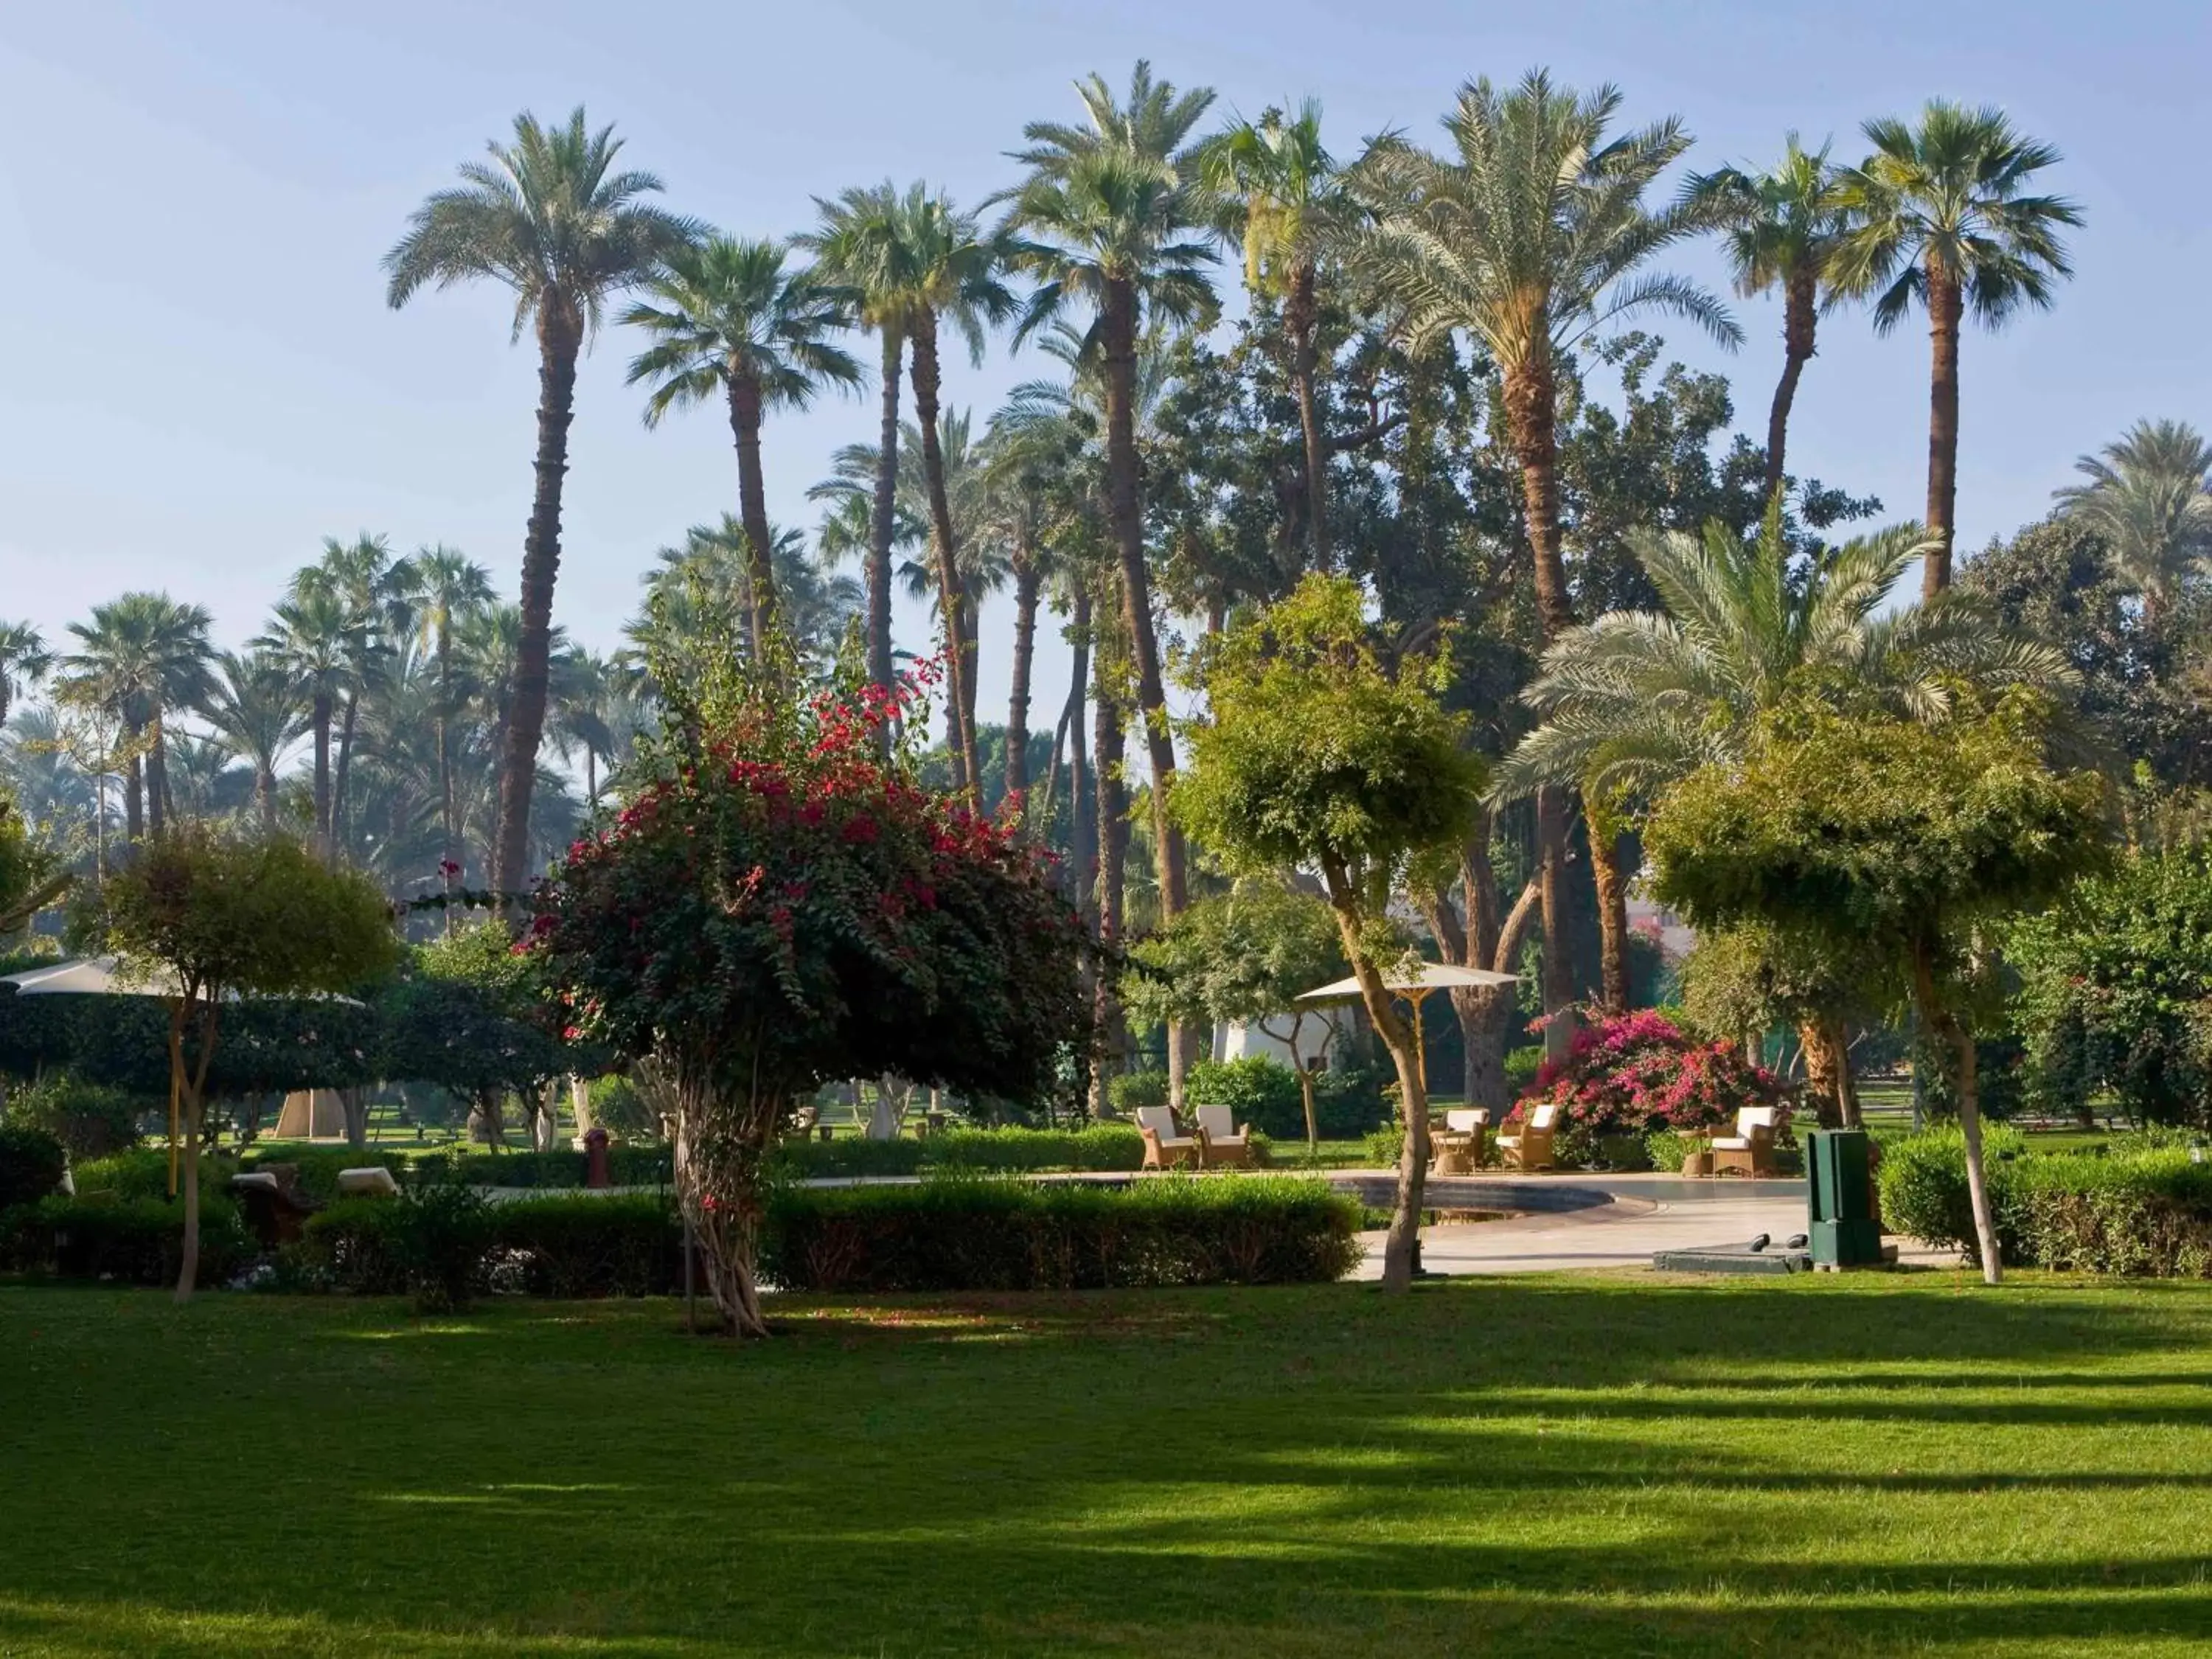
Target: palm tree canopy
[2149, 497]
[318, 637]
[1638, 699]
[549, 215]
[1951, 191]
[140, 655]
[1276, 188]
[1115, 201]
[727, 311]
[1526, 233]
[256, 704]
[440, 584]
[905, 256]
[1783, 224]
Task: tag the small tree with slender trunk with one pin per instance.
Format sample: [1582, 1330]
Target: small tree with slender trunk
[202, 918]
[1319, 757]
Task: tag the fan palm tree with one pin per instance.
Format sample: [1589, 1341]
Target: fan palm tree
[258, 706]
[1111, 218]
[550, 216]
[1530, 234]
[1281, 193]
[1943, 220]
[362, 575]
[443, 586]
[1637, 700]
[25, 662]
[2147, 498]
[316, 637]
[139, 656]
[726, 320]
[1782, 230]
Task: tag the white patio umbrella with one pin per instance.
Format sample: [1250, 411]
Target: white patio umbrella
[1414, 987]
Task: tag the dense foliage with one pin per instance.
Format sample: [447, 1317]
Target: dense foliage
[1635, 1073]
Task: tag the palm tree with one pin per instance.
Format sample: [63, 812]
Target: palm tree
[1282, 194]
[363, 577]
[1024, 461]
[727, 320]
[1637, 700]
[315, 636]
[1782, 230]
[549, 217]
[1112, 221]
[24, 663]
[2149, 499]
[1943, 221]
[140, 656]
[444, 585]
[1529, 236]
[258, 706]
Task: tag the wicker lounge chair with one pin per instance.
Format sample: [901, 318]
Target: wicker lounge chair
[1222, 1140]
[1530, 1148]
[1166, 1146]
[1750, 1150]
[1456, 1149]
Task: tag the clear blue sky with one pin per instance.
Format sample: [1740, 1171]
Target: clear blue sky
[199, 378]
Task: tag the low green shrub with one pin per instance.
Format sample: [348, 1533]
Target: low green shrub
[623, 1245]
[1349, 1098]
[627, 1166]
[969, 1235]
[1100, 1147]
[807, 1160]
[31, 1164]
[1923, 1181]
[1385, 1146]
[139, 1241]
[1133, 1089]
[2146, 1214]
[320, 1166]
[572, 1245]
[1522, 1066]
[89, 1119]
[1260, 1091]
[1664, 1150]
[439, 1240]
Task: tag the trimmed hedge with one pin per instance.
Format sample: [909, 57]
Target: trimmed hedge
[964, 1235]
[31, 1165]
[1105, 1146]
[570, 1247]
[627, 1166]
[140, 1240]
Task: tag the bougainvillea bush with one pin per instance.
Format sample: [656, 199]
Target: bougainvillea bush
[1635, 1073]
[781, 904]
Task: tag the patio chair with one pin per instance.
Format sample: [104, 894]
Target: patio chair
[1221, 1138]
[1456, 1149]
[1750, 1150]
[1531, 1148]
[1166, 1146]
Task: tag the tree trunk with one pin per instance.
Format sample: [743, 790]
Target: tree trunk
[1401, 1245]
[885, 525]
[450, 854]
[134, 790]
[191, 1087]
[1937, 1019]
[352, 1104]
[1828, 1073]
[945, 548]
[322, 724]
[157, 778]
[341, 776]
[560, 334]
[1301, 319]
[1082, 787]
[970, 651]
[752, 509]
[1800, 313]
[726, 1225]
[1944, 305]
[1118, 325]
[264, 797]
[1029, 581]
[1558, 968]
[1612, 908]
[1112, 834]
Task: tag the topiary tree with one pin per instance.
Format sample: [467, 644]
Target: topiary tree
[777, 908]
[1904, 843]
[1322, 755]
[1242, 958]
[203, 917]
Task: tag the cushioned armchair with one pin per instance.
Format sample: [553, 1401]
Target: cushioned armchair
[1166, 1146]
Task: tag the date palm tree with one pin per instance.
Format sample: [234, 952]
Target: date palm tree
[258, 706]
[1112, 222]
[1530, 232]
[728, 320]
[442, 585]
[1281, 194]
[139, 656]
[1782, 230]
[25, 662]
[550, 216]
[1945, 220]
[361, 574]
[2147, 498]
[316, 636]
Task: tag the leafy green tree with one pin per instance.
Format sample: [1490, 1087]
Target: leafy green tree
[1906, 843]
[2147, 499]
[31, 874]
[1942, 219]
[1242, 957]
[1783, 229]
[728, 321]
[1320, 756]
[203, 917]
[1529, 236]
[552, 218]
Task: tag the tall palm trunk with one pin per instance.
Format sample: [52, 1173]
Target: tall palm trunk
[1944, 306]
[1302, 317]
[1799, 316]
[945, 547]
[1828, 1073]
[1082, 838]
[560, 336]
[322, 725]
[971, 653]
[134, 788]
[884, 524]
[341, 785]
[752, 508]
[157, 777]
[1112, 832]
[265, 794]
[1118, 318]
[1611, 908]
[1029, 581]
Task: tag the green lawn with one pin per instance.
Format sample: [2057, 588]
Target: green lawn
[1509, 1466]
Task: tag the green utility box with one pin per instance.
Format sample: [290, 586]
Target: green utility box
[1840, 1196]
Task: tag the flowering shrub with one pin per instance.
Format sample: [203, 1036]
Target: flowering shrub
[1638, 1073]
[779, 905]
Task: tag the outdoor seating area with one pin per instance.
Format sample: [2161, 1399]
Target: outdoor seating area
[1215, 1140]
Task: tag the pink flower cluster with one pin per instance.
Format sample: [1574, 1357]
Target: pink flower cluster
[1640, 1072]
